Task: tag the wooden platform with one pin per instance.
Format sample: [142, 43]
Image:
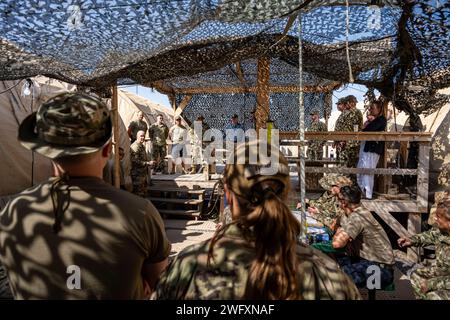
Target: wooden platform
[190, 181]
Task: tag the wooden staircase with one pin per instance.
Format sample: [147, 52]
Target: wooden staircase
[174, 201]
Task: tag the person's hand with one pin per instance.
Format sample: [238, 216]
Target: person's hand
[424, 286]
[334, 225]
[404, 242]
[313, 210]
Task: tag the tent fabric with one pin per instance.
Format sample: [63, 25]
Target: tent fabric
[18, 170]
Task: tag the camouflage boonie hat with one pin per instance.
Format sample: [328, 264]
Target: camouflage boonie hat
[331, 180]
[342, 100]
[66, 125]
[351, 98]
[242, 177]
[314, 112]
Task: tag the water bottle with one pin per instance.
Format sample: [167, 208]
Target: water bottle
[322, 237]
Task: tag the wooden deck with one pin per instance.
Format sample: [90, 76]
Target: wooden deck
[191, 181]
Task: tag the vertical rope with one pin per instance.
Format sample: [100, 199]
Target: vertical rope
[347, 30]
[301, 128]
[32, 152]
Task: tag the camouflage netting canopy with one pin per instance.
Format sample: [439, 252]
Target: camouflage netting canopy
[398, 47]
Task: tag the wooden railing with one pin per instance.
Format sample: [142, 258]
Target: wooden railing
[383, 207]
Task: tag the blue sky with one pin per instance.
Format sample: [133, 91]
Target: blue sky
[354, 89]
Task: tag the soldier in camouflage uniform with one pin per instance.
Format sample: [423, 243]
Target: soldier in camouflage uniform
[229, 265]
[349, 118]
[433, 282]
[139, 165]
[136, 126]
[315, 147]
[327, 208]
[444, 183]
[75, 217]
[158, 133]
[341, 107]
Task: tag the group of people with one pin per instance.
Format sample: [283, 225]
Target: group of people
[353, 153]
[367, 244]
[90, 240]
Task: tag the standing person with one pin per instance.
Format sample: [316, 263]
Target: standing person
[339, 125]
[136, 126]
[256, 256]
[158, 134]
[235, 131]
[178, 135]
[315, 148]
[365, 241]
[139, 165]
[352, 122]
[197, 144]
[433, 282]
[371, 150]
[89, 240]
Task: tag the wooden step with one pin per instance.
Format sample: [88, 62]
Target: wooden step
[176, 200]
[191, 213]
[172, 189]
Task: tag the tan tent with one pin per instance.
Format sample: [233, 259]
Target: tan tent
[22, 168]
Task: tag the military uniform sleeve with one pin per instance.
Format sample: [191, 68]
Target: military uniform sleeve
[150, 132]
[176, 280]
[155, 235]
[136, 160]
[425, 238]
[353, 225]
[318, 201]
[439, 283]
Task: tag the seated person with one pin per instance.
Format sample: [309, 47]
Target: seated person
[256, 256]
[366, 242]
[433, 282]
[327, 208]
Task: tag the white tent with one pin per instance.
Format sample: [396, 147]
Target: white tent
[22, 168]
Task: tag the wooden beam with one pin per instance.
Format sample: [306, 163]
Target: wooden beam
[240, 74]
[391, 205]
[421, 137]
[271, 89]
[161, 86]
[345, 170]
[392, 222]
[115, 112]
[183, 104]
[262, 93]
[422, 178]
[414, 222]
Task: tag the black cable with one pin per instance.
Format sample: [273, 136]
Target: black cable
[10, 88]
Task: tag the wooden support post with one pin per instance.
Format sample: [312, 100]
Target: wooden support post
[414, 222]
[262, 93]
[115, 117]
[240, 74]
[385, 180]
[422, 177]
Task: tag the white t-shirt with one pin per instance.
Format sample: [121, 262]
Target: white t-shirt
[178, 134]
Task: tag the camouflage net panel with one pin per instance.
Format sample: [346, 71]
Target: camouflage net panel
[398, 47]
[217, 109]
